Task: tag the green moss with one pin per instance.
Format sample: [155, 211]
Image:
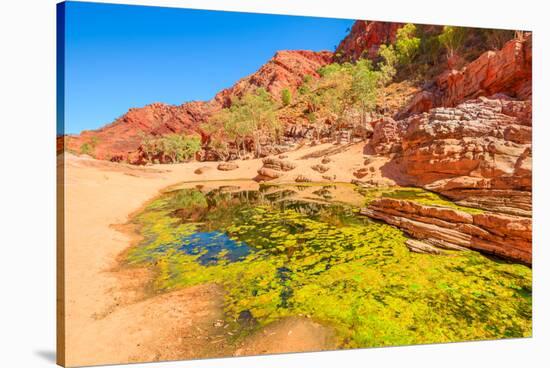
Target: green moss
[345, 271]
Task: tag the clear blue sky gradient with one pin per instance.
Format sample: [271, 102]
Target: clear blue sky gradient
[121, 56]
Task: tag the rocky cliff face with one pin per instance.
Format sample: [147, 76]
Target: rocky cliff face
[365, 38]
[474, 150]
[506, 71]
[121, 139]
[286, 69]
[478, 153]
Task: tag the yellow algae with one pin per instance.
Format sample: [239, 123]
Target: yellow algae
[323, 261]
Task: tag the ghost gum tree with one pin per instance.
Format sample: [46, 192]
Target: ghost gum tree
[348, 86]
[332, 92]
[365, 82]
[452, 38]
[407, 45]
[249, 117]
[259, 110]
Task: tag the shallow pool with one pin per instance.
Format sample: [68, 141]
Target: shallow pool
[303, 250]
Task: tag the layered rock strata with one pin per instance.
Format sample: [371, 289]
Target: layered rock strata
[436, 227]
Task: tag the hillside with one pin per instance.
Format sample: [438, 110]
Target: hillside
[121, 139]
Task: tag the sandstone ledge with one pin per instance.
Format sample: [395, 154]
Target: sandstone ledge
[502, 235]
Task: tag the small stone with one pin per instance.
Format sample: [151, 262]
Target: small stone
[320, 168]
[201, 170]
[302, 179]
[227, 166]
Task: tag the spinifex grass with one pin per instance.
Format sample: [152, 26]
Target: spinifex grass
[342, 270]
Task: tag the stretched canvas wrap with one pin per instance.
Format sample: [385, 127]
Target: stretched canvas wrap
[238, 184]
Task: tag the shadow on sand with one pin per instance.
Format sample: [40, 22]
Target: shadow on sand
[47, 355]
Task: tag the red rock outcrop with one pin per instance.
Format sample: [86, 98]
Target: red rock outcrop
[478, 153]
[507, 71]
[448, 228]
[286, 69]
[365, 38]
[120, 140]
[386, 136]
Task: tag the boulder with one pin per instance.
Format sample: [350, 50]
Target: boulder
[201, 170]
[386, 137]
[361, 173]
[278, 164]
[269, 173]
[227, 166]
[320, 168]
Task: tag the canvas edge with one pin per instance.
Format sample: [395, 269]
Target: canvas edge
[60, 192]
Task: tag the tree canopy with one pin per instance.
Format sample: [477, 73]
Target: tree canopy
[247, 117]
[170, 148]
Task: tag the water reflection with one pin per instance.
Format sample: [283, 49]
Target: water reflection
[214, 245]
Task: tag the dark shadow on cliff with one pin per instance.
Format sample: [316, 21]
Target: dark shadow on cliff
[368, 150]
[393, 170]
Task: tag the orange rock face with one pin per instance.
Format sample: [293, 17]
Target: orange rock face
[502, 235]
[478, 153]
[286, 69]
[365, 39]
[120, 140]
[507, 71]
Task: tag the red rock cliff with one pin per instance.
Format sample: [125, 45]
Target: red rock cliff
[478, 153]
[507, 71]
[286, 69]
[365, 39]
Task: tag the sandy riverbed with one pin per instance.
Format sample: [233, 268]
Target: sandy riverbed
[110, 317]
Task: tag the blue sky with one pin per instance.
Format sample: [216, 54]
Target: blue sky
[120, 56]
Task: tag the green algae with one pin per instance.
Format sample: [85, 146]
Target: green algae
[417, 195]
[343, 270]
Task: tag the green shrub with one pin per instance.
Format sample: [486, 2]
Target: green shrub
[286, 97]
[453, 39]
[86, 149]
[407, 44]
